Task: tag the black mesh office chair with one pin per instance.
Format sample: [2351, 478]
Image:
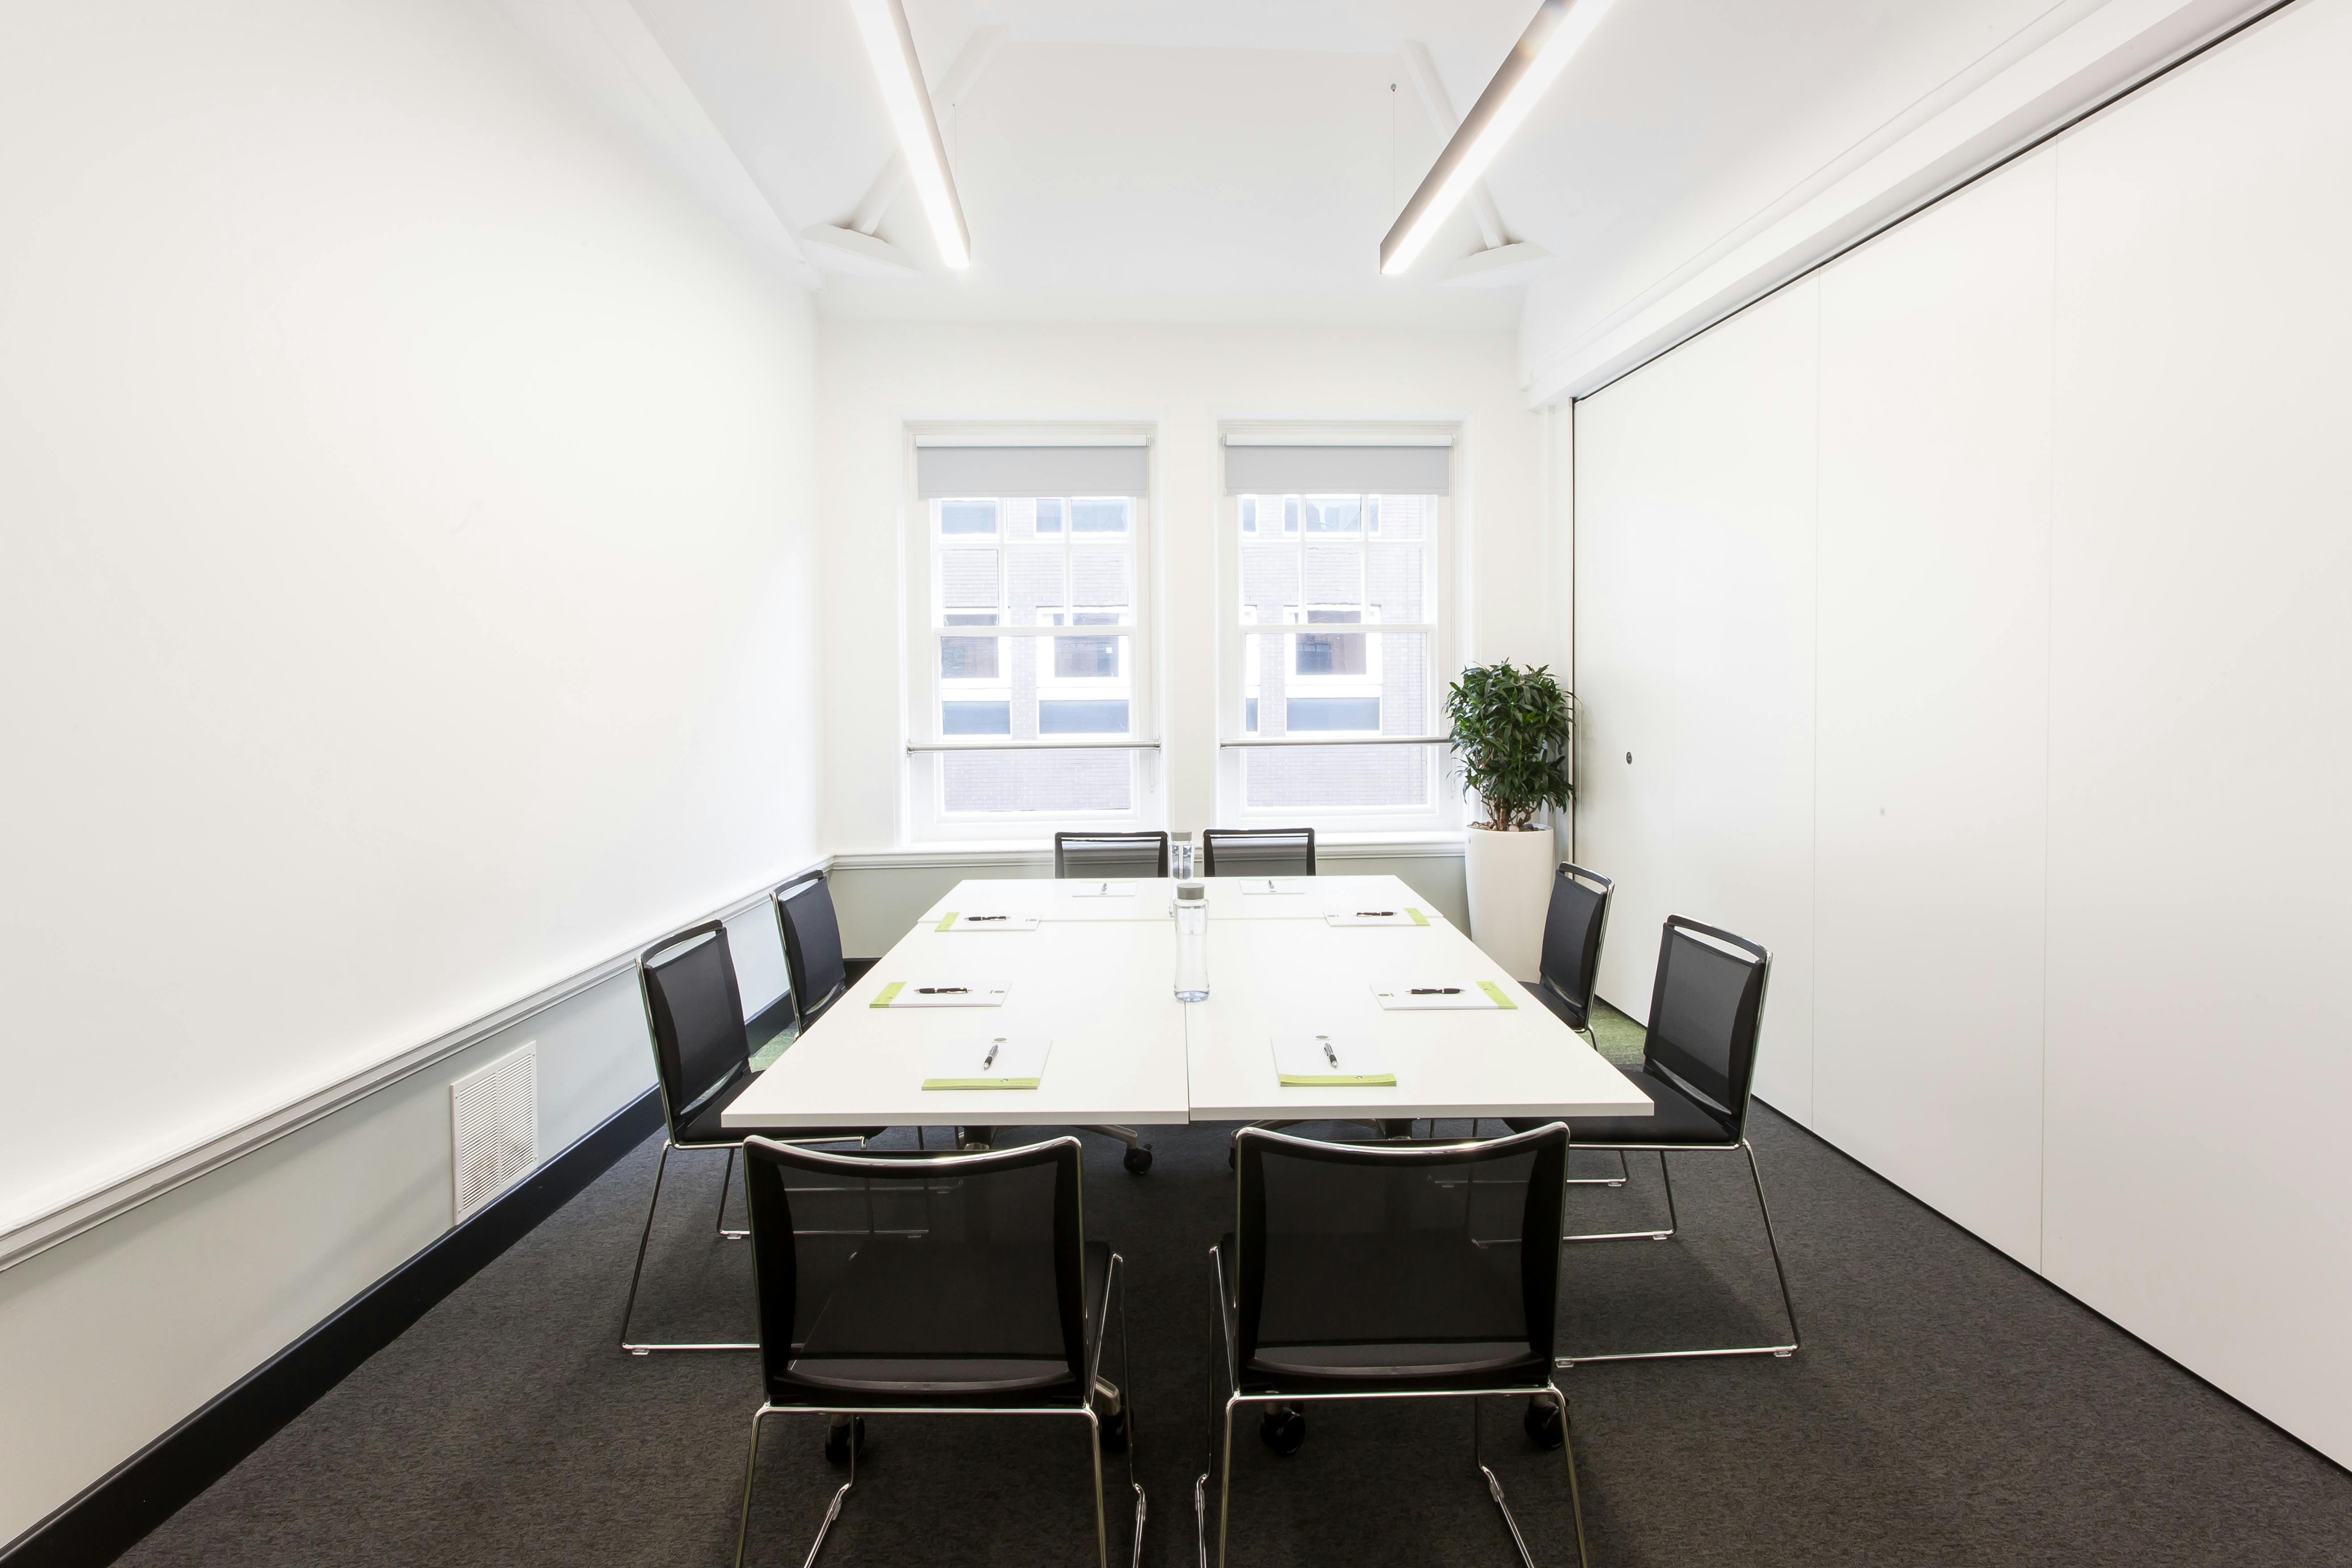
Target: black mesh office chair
[1384, 1271]
[933, 1284]
[702, 1060]
[812, 937]
[1110, 856]
[1569, 968]
[1258, 852]
[1699, 1068]
[820, 976]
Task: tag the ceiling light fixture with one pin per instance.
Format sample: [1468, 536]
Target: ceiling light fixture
[1543, 51]
[890, 43]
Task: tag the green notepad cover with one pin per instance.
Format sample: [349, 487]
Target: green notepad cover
[1418, 918]
[946, 920]
[1343, 1080]
[980, 1083]
[1495, 991]
[888, 991]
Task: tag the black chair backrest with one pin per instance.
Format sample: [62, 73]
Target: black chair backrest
[812, 944]
[1572, 932]
[695, 1014]
[974, 1263]
[1258, 852]
[1705, 1011]
[1110, 854]
[1372, 1245]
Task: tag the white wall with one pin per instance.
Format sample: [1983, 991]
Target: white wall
[1693, 633]
[407, 603]
[2053, 470]
[1183, 380]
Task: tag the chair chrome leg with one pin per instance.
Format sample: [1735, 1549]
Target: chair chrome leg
[1620, 1178]
[1771, 1240]
[1093, 1453]
[645, 1236]
[719, 1222]
[1568, 1454]
[750, 1464]
[628, 1312]
[1674, 1223]
[1127, 1408]
[1495, 1486]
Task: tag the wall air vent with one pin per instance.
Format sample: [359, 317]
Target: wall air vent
[494, 1127]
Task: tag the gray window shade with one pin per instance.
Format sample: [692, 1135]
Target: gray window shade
[1029, 471]
[1338, 470]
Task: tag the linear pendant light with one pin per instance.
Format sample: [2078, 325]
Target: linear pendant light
[890, 43]
[1543, 51]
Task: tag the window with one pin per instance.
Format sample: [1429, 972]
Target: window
[1054, 579]
[1333, 632]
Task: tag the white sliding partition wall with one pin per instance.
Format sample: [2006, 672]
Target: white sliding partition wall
[1695, 661]
[2035, 529]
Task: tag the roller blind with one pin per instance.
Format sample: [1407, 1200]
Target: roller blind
[1341, 470]
[984, 471]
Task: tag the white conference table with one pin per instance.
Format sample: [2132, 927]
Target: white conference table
[1097, 976]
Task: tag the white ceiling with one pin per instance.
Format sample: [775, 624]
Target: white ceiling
[1239, 160]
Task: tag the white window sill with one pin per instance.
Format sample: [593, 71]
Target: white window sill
[1033, 853]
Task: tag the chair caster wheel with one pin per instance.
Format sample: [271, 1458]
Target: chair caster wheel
[1544, 1426]
[1139, 1159]
[837, 1440]
[1114, 1432]
[1284, 1430]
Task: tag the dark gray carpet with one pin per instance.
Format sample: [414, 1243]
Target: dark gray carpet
[1948, 1409]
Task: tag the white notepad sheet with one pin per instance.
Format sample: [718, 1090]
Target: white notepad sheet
[938, 994]
[987, 920]
[1259, 887]
[1444, 996]
[1104, 889]
[1301, 1060]
[1019, 1062]
[1378, 914]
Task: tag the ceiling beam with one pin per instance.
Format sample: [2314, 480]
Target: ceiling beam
[962, 77]
[1433, 103]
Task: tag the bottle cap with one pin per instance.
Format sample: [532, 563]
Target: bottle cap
[1191, 892]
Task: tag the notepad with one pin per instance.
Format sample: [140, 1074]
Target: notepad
[986, 920]
[1325, 1060]
[1001, 1061]
[938, 994]
[1377, 915]
[1103, 889]
[1258, 887]
[1445, 996]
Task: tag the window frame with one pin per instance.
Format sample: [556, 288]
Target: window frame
[1236, 678]
[923, 815]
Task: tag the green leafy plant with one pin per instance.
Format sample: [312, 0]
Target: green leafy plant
[1511, 728]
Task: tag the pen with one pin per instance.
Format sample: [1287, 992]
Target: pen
[942, 990]
[969, 919]
[989, 1060]
[1366, 914]
[1329, 1055]
[1434, 991]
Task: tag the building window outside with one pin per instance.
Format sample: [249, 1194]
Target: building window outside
[1023, 565]
[1336, 561]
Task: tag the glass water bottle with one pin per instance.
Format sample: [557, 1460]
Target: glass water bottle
[1191, 942]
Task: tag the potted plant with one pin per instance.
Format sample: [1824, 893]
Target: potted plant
[1510, 734]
